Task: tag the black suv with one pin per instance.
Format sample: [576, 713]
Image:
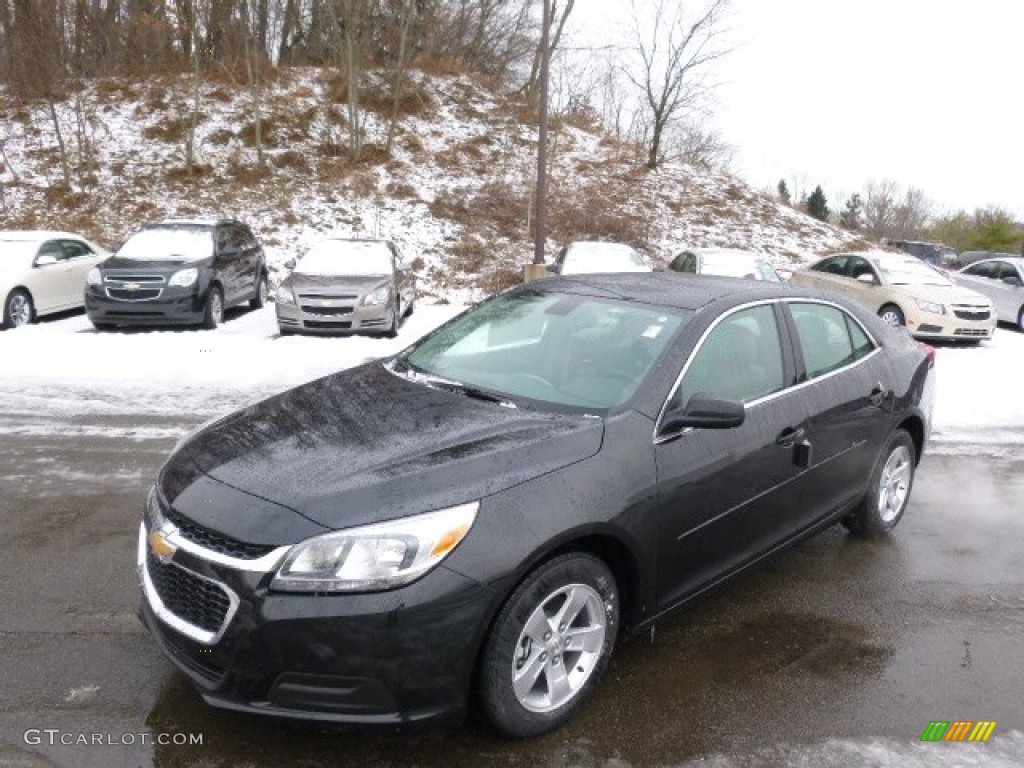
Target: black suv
[178, 273]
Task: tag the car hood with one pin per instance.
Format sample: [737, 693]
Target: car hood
[366, 445]
[155, 264]
[943, 294]
[341, 284]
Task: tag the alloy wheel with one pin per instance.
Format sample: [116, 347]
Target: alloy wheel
[894, 484]
[19, 309]
[559, 648]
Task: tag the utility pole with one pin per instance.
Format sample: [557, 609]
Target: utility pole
[536, 270]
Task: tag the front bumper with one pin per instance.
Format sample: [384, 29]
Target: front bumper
[401, 656]
[347, 318]
[176, 306]
[972, 324]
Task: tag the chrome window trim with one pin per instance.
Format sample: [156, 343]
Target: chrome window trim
[660, 439]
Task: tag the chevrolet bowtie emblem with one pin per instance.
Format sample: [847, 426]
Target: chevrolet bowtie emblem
[161, 547]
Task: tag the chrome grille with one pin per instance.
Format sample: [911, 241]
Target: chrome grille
[216, 542]
[330, 296]
[195, 600]
[134, 294]
[121, 279]
[972, 314]
[326, 311]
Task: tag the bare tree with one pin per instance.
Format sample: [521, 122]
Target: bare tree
[401, 62]
[675, 51]
[880, 200]
[911, 215]
[190, 135]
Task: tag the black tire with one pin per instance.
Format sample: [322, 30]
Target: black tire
[889, 490]
[257, 301]
[213, 312]
[18, 309]
[396, 315]
[411, 308]
[1020, 319]
[585, 587]
[892, 315]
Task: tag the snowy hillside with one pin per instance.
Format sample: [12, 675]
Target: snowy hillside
[455, 191]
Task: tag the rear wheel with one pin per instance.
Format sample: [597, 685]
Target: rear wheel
[549, 645]
[213, 314]
[260, 298]
[1020, 319]
[18, 309]
[892, 315]
[889, 489]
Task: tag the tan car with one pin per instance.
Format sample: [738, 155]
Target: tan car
[903, 290]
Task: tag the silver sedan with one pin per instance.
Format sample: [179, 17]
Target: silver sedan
[1002, 280]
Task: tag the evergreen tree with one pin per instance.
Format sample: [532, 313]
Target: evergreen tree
[850, 218]
[784, 195]
[817, 205]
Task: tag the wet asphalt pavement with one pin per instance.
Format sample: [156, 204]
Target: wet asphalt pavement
[839, 651]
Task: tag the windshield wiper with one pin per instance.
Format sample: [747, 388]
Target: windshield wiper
[412, 373]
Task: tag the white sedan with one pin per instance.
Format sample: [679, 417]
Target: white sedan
[42, 272]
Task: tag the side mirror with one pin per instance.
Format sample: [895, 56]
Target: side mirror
[46, 259]
[704, 411]
[867, 278]
[290, 264]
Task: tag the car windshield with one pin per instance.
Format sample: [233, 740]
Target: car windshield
[559, 349]
[584, 258]
[346, 257]
[171, 244]
[738, 265]
[909, 272]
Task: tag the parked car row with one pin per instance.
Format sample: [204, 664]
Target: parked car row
[188, 272]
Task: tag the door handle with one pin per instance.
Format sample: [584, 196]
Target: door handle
[878, 395]
[790, 436]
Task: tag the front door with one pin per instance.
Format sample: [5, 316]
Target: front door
[726, 496]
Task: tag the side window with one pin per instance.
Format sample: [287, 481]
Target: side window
[987, 269]
[836, 265]
[76, 248]
[1007, 271]
[741, 359]
[860, 267]
[829, 338]
[52, 248]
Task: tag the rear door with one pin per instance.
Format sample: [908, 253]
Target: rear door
[847, 394]
[726, 496]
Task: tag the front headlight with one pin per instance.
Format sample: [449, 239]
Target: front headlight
[375, 557]
[284, 295]
[931, 306]
[94, 277]
[184, 277]
[377, 297]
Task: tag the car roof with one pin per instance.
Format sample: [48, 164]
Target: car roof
[673, 289]
[36, 235]
[1018, 260]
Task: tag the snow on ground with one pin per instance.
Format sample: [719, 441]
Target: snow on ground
[62, 377]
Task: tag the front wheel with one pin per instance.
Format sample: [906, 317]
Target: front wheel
[18, 309]
[892, 315]
[1020, 319]
[549, 645]
[396, 315]
[889, 489]
[213, 313]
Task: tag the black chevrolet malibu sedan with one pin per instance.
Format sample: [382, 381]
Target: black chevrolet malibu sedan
[476, 521]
